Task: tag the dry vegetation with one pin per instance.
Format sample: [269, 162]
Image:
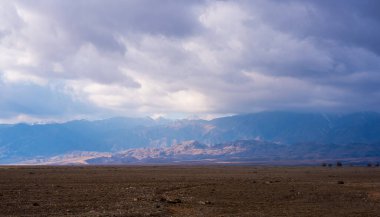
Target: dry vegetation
[189, 191]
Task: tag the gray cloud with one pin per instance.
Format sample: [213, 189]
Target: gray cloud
[191, 57]
[26, 102]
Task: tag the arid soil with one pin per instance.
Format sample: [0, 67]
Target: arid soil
[189, 191]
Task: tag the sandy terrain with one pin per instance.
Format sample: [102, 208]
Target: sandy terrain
[189, 191]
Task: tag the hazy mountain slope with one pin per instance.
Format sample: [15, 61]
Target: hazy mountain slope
[276, 126]
[22, 141]
[242, 151]
[357, 127]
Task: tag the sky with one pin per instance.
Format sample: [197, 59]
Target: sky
[63, 60]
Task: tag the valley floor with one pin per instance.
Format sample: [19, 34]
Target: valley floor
[189, 191]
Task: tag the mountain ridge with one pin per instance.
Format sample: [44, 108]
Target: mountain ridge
[23, 141]
[236, 152]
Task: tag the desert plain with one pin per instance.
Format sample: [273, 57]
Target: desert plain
[262, 191]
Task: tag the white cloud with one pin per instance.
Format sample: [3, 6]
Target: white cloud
[23, 77]
[204, 58]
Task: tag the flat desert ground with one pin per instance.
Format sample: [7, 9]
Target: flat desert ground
[189, 191]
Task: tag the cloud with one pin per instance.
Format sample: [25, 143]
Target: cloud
[47, 102]
[191, 57]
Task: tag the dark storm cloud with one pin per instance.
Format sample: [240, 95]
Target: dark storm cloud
[341, 41]
[329, 25]
[98, 21]
[350, 22]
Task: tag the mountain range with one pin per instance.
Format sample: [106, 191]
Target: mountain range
[268, 136]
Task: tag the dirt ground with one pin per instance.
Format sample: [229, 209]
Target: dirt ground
[189, 191]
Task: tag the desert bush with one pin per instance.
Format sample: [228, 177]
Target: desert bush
[339, 164]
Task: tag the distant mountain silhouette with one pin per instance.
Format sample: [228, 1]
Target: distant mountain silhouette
[242, 151]
[22, 141]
